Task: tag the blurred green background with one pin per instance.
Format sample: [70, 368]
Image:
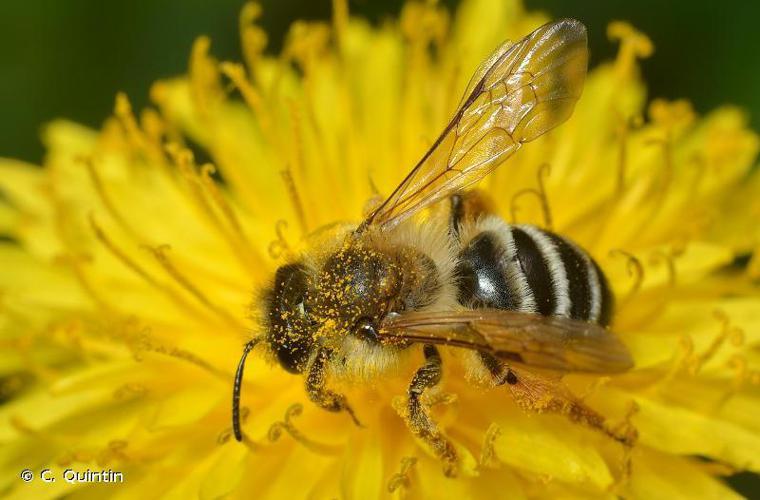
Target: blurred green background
[68, 58]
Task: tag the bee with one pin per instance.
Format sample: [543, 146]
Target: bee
[518, 298]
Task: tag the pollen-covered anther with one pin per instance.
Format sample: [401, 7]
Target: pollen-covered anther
[402, 478]
[295, 410]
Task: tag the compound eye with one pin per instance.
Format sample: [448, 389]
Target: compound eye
[365, 329]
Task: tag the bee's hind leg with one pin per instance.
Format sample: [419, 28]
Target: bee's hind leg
[317, 390]
[539, 394]
[418, 419]
[468, 207]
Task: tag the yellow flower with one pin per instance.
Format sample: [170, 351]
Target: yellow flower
[131, 259]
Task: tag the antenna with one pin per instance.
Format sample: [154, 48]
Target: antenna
[236, 389]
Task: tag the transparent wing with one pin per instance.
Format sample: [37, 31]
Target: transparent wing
[520, 92]
[532, 339]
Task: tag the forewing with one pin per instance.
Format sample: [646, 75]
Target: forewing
[520, 92]
[532, 339]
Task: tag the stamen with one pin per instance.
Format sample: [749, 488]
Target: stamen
[295, 199]
[125, 115]
[252, 97]
[402, 479]
[488, 456]
[227, 433]
[295, 410]
[206, 171]
[104, 198]
[159, 252]
[253, 39]
[666, 144]
[134, 267]
[279, 247]
[635, 270]
[143, 342]
[624, 128]
[75, 264]
[633, 45]
[205, 192]
[660, 256]
[340, 20]
[543, 172]
[727, 332]
[205, 87]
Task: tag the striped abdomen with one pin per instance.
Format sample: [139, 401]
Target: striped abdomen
[524, 268]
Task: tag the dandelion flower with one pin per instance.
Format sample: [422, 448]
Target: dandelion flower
[131, 258]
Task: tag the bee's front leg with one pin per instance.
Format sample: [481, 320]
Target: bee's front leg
[418, 419]
[321, 395]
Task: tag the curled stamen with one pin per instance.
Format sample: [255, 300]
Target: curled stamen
[488, 456]
[227, 432]
[668, 258]
[279, 247]
[727, 332]
[635, 270]
[402, 478]
[295, 410]
[543, 171]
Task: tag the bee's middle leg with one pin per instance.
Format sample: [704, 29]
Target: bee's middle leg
[318, 392]
[418, 419]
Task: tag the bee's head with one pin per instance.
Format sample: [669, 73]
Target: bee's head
[350, 293]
